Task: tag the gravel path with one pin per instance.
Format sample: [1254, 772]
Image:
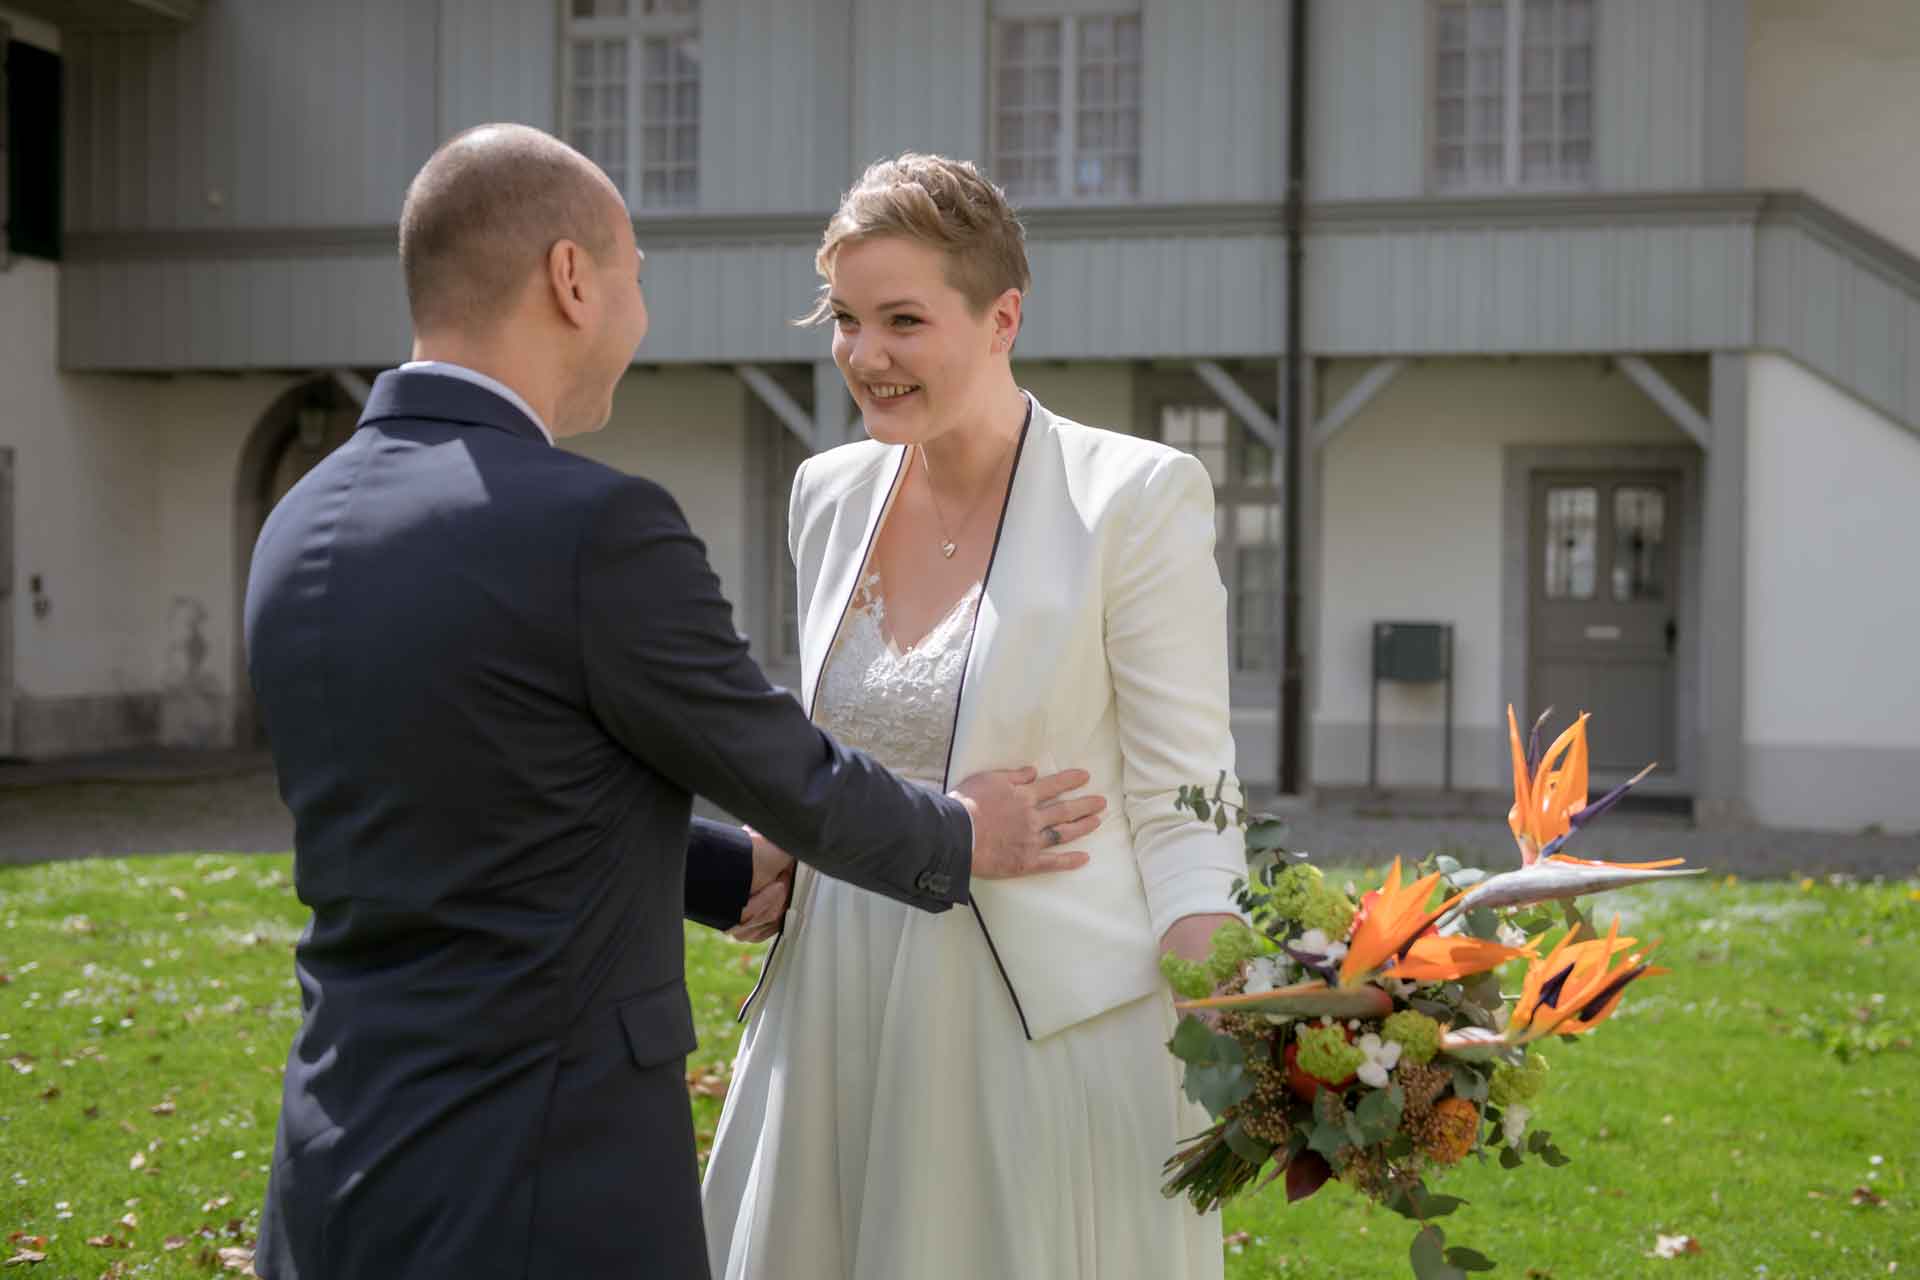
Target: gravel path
[170, 804]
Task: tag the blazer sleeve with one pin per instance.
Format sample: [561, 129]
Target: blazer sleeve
[719, 873]
[670, 679]
[1166, 629]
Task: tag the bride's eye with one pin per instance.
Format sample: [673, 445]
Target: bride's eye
[905, 322]
[844, 320]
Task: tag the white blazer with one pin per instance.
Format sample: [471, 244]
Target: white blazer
[1100, 643]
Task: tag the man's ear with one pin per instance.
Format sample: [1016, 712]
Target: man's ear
[569, 278]
[1006, 318]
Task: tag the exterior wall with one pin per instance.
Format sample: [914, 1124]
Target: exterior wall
[1830, 99]
[123, 508]
[1098, 395]
[686, 429]
[273, 113]
[1656, 125]
[1832, 699]
[1424, 455]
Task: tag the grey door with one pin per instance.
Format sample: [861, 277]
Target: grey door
[6, 602]
[1603, 609]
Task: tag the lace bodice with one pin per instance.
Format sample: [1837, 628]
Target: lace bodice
[897, 707]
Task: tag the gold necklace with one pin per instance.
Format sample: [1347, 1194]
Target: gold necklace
[947, 545]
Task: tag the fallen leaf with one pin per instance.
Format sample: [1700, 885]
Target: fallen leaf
[1536, 1273]
[50, 1093]
[216, 1204]
[26, 1255]
[1867, 1195]
[1674, 1246]
[162, 1108]
[1238, 1240]
[131, 1222]
[138, 1162]
[23, 1063]
[1816, 1195]
[109, 1242]
[708, 1084]
[173, 1242]
[26, 1241]
[91, 1113]
[237, 1259]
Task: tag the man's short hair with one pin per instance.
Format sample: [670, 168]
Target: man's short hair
[482, 214]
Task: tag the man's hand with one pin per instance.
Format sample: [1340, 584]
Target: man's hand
[767, 898]
[1020, 821]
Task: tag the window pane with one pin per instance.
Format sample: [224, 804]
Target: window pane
[1572, 538]
[1126, 44]
[583, 59]
[1200, 430]
[1639, 544]
[613, 102]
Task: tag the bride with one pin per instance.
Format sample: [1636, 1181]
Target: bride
[984, 1093]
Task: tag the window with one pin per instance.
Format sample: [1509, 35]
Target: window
[1066, 107]
[1513, 94]
[633, 95]
[30, 132]
[1247, 537]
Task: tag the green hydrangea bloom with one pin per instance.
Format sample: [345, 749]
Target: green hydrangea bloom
[1188, 980]
[1301, 894]
[1326, 1055]
[1417, 1035]
[1518, 1084]
[1233, 945]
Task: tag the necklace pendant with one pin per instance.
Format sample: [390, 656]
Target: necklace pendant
[947, 549]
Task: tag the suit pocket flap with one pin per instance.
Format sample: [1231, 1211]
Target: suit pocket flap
[659, 1025]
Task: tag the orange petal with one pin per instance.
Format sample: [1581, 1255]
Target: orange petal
[1624, 866]
[1443, 958]
[1522, 786]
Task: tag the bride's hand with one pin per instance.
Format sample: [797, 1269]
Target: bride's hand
[767, 898]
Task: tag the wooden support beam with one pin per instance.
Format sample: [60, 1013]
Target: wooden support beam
[1668, 397]
[775, 397]
[1357, 398]
[1239, 403]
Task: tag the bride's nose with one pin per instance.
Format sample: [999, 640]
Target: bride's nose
[867, 355]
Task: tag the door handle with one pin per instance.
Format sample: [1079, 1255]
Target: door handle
[1673, 634]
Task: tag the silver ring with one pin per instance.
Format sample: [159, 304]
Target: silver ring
[1049, 836]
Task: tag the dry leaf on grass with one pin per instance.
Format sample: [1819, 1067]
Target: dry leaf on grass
[173, 1242]
[131, 1222]
[1868, 1196]
[25, 1241]
[109, 1242]
[138, 1162]
[26, 1256]
[1674, 1246]
[50, 1093]
[216, 1204]
[708, 1084]
[162, 1108]
[1238, 1240]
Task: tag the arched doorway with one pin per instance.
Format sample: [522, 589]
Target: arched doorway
[307, 422]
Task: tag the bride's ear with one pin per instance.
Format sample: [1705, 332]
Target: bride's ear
[1006, 319]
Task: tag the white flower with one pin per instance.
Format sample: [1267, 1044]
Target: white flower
[1382, 1057]
[1513, 1122]
[1316, 942]
[1263, 974]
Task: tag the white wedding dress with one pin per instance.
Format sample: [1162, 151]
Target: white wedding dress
[888, 1120]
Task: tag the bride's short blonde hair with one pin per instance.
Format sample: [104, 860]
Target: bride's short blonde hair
[944, 204]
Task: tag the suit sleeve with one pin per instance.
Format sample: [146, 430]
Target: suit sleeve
[670, 678]
[719, 873]
[1167, 648]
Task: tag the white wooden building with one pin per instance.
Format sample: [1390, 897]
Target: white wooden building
[1610, 329]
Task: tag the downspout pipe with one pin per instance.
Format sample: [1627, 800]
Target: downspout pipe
[1294, 408]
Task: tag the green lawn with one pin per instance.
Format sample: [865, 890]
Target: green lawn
[145, 1006]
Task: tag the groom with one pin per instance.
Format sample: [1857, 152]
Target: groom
[493, 674]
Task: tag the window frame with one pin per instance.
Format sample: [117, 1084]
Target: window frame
[1513, 49]
[636, 28]
[1066, 191]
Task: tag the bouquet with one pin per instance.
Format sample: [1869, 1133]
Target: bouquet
[1373, 1041]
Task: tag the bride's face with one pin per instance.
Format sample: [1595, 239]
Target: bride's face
[916, 357]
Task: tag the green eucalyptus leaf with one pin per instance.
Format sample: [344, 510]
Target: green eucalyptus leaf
[1201, 809]
[1469, 1084]
[1510, 1158]
[1329, 1140]
[1264, 835]
[1483, 924]
[1445, 864]
[1250, 1149]
[1378, 1115]
[1540, 1143]
[1469, 1259]
[1429, 1257]
[1195, 1041]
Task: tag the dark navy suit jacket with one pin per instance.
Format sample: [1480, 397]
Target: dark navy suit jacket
[493, 674]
